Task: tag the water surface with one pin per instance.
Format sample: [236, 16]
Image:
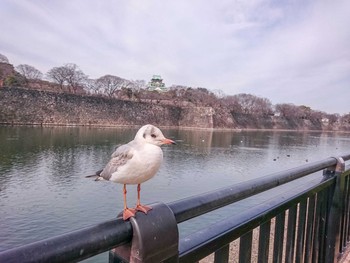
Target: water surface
[44, 192]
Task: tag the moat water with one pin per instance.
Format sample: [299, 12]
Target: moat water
[44, 192]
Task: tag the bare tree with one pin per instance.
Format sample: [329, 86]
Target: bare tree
[137, 84]
[345, 119]
[293, 112]
[74, 77]
[219, 93]
[232, 104]
[178, 90]
[91, 86]
[200, 96]
[58, 75]
[109, 84]
[29, 72]
[289, 111]
[250, 104]
[3, 59]
[68, 75]
[333, 118]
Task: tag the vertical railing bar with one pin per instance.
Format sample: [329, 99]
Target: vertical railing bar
[290, 243]
[264, 242]
[348, 215]
[325, 208]
[299, 256]
[222, 254]
[310, 229]
[347, 224]
[279, 238]
[335, 208]
[344, 204]
[345, 236]
[316, 243]
[347, 212]
[342, 219]
[245, 247]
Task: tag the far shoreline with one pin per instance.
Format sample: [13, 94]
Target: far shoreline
[121, 126]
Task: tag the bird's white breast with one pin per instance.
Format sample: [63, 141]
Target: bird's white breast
[143, 166]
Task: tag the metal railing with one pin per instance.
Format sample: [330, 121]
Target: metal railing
[309, 224]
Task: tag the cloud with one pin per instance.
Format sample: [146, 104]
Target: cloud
[288, 51]
[303, 60]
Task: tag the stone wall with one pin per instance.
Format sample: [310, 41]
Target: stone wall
[199, 117]
[22, 106]
[28, 106]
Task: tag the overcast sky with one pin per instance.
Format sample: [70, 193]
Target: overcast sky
[294, 51]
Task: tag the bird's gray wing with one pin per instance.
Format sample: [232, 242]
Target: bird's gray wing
[119, 158]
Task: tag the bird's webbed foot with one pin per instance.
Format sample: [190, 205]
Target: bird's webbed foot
[142, 208]
[128, 212]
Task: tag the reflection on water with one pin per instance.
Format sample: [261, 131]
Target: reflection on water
[44, 192]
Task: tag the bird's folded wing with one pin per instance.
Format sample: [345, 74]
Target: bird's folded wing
[119, 158]
[125, 149]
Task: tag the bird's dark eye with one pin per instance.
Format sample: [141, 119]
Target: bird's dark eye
[153, 135]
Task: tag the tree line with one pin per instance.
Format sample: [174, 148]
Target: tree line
[70, 78]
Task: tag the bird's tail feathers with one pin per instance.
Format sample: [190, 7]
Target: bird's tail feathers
[96, 176]
[92, 176]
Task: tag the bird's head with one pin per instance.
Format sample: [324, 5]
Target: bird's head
[152, 135]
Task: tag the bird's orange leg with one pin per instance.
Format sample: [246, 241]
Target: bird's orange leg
[139, 207]
[128, 212]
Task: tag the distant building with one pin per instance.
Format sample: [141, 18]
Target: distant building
[156, 83]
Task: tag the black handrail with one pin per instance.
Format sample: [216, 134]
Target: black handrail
[199, 244]
[84, 243]
[197, 205]
[73, 246]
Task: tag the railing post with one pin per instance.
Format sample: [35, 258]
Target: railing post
[335, 212]
[155, 238]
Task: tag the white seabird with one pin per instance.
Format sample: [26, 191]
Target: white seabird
[135, 163]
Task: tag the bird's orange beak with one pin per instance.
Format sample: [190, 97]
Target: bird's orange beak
[168, 141]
